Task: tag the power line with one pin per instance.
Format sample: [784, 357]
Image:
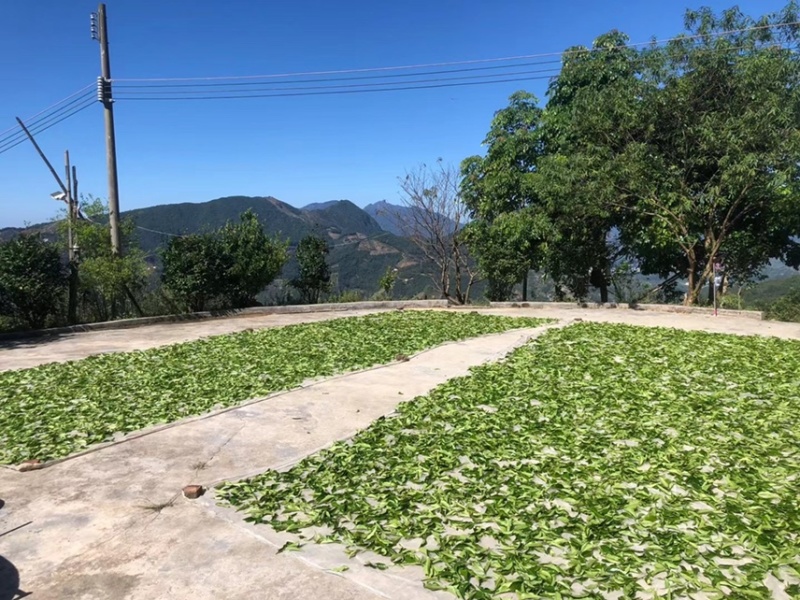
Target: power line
[248, 92]
[457, 63]
[46, 118]
[332, 80]
[91, 85]
[41, 128]
[45, 125]
[335, 92]
[159, 232]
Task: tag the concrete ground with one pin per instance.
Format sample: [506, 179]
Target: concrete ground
[26, 353]
[112, 523]
[23, 354]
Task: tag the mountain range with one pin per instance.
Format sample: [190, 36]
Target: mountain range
[361, 249]
[363, 243]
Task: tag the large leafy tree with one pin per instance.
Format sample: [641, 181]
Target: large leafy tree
[32, 280]
[314, 276]
[690, 149]
[713, 172]
[499, 190]
[581, 243]
[675, 157]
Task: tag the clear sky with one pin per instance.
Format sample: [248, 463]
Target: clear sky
[298, 149]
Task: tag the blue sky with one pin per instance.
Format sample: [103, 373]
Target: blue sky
[298, 149]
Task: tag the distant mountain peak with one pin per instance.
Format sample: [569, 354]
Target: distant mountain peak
[321, 205]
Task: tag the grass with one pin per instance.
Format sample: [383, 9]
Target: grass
[601, 461]
[57, 409]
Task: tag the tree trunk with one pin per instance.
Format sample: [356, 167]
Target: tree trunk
[525, 287]
[604, 293]
[691, 291]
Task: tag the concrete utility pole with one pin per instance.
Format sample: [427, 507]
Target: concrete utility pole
[100, 32]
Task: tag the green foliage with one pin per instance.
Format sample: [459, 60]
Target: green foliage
[499, 191]
[106, 282]
[314, 277]
[226, 268]
[673, 156]
[347, 296]
[256, 260]
[195, 269]
[32, 281]
[387, 281]
[764, 293]
[56, 409]
[503, 248]
[600, 459]
[786, 308]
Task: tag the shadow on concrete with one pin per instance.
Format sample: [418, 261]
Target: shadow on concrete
[28, 340]
[9, 581]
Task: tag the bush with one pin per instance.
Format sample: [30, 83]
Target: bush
[108, 285]
[222, 269]
[786, 308]
[32, 281]
[348, 296]
[314, 276]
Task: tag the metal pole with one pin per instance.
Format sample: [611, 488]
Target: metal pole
[71, 247]
[111, 142]
[714, 285]
[72, 303]
[44, 158]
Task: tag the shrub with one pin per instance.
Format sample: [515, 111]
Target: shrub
[786, 308]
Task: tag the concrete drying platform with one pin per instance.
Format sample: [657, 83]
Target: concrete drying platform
[30, 352]
[112, 523]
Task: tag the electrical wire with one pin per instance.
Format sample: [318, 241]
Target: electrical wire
[248, 92]
[20, 134]
[125, 86]
[91, 85]
[42, 127]
[335, 92]
[45, 125]
[456, 63]
[159, 232]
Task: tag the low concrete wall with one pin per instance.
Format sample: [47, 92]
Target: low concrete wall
[244, 312]
[669, 308]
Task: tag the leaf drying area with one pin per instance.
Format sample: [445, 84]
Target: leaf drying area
[54, 410]
[600, 461]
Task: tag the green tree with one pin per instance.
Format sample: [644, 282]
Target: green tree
[504, 250]
[32, 280]
[722, 170]
[255, 260]
[387, 281]
[225, 268]
[671, 158]
[108, 284]
[499, 189]
[692, 149]
[581, 247]
[314, 276]
[194, 270]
